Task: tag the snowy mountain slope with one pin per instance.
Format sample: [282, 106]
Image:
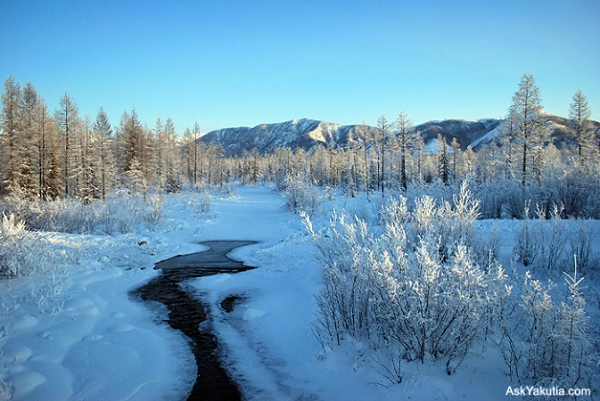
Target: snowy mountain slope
[465, 132]
[307, 133]
[304, 133]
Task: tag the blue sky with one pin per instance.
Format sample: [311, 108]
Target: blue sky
[232, 63]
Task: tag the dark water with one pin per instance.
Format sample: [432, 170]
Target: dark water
[186, 313]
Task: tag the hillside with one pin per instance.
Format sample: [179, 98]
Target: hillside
[307, 133]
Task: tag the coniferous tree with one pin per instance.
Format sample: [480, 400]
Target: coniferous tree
[11, 124]
[105, 145]
[508, 140]
[579, 114]
[443, 162]
[527, 106]
[28, 182]
[67, 120]
[89, 172]
[381, 141]
[404, 127]
[46, 149]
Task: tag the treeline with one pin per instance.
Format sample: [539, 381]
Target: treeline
[64, 155]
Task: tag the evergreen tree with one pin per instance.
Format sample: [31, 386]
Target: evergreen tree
[443, 162]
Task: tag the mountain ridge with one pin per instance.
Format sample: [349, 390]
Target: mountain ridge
[307, 133]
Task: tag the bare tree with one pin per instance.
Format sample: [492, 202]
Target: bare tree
[67, 120]
[579, 114]
[404, 127]
[10, 121]
[527, 106]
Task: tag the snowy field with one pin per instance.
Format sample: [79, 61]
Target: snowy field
[91, 341]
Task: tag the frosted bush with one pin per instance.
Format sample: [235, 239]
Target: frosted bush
[205, 201]
[155, 209]
[17, 256]
[411, 284]
[301, 195]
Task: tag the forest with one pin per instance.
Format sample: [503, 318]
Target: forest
[61, 155]
[409, 274]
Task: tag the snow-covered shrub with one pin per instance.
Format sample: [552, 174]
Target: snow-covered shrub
[581, 239]
[544, 341]
[411, 284]
[552, 239]
[300, 194]
[526, 247]
[17, 255]
[130, 214]
[344, 305]
[156, 206]
[48, 290]
[205, 201]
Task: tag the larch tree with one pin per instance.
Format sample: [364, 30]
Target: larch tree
[404, 128]
[133, 141]
[527, 105]
[89, 171]
[196, 135]
[456, 156]
[104, 139]
[67, 120]
[508, 140]
[579, 114]
[28, 184]
[417, 153]
[47, 151]
[10, 124]
[382, 130]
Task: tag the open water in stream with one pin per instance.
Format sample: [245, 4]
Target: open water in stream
[187, 312]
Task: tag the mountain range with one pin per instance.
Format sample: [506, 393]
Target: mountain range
[307, 134]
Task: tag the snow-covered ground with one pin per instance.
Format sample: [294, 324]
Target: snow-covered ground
[95, 343]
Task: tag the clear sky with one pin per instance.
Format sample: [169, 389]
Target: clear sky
[227, 63]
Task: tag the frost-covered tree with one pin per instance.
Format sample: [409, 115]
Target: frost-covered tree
[443, 160]
[573, 335]
[89, 172]
[381, 141]
[68, 122]
[404, 128]
[105, 147]
[527, 109]
[579, 114]
[11, 134]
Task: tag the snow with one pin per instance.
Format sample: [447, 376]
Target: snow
[100, 344]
